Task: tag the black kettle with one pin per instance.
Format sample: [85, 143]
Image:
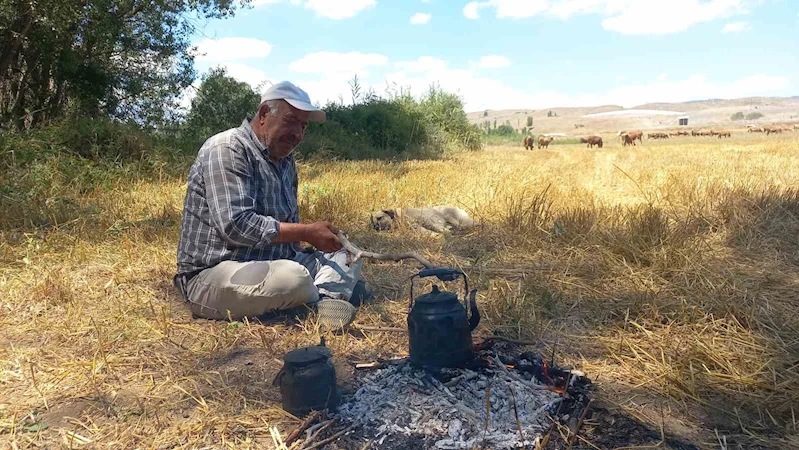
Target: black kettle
[307, 381]
[439, 328]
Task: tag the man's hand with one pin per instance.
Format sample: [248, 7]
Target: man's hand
[322, 235]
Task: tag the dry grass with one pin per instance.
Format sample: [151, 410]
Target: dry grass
[670, 273]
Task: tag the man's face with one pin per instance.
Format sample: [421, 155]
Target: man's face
[283, 132]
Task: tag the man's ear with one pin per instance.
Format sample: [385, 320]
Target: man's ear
[390, 213]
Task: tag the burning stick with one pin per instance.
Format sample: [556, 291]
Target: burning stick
[358, 253]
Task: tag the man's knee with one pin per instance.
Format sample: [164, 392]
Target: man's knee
[253, 289]
[289, 283]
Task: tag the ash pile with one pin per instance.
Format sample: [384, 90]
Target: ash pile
[499, 403]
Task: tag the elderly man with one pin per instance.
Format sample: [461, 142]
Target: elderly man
[239, 254]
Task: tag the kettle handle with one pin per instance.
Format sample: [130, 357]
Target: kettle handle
[442, 274]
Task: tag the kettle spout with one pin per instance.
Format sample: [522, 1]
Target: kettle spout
[474, 320]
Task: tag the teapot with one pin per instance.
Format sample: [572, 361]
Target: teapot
[439, 325]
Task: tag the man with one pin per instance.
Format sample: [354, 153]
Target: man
[239, 253]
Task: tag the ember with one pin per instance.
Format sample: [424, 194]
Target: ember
[498, 402]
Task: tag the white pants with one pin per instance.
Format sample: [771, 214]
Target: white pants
[234, 289]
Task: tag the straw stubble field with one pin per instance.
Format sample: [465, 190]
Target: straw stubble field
[668, 272]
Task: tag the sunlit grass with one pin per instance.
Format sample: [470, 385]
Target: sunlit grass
[670, 269]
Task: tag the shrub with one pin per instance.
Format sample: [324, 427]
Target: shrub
[737, 116]
[754, 116]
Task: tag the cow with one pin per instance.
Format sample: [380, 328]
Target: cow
[626, 140]
[639, 135]
[680, 133]
[770, 130]
[756, 130]
[529, 142]
[723, 133]
[657, 136]
[593, 140]
[544, 141]
[694, 133]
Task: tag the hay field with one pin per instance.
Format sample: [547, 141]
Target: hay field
[668, 272]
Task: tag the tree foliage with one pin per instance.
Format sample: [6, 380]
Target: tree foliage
[221, 102]
[125, 59]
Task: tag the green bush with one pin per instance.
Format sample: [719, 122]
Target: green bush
[754, 116]
[398, 126]
[737, 116]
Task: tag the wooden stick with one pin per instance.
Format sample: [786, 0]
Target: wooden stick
[305, 424]
[576, 431]
[508, 340]
[320, 430]
[358, 253]
[387, 329]
[331, 438]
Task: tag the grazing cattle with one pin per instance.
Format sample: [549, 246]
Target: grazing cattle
[626, 140]
[694, 133]
[544, 141]
[682, 133]
[756, 130]
[594, 140]
[770, 130]
[721, 134]
[529, 143]
[657, 136]
[639, 135]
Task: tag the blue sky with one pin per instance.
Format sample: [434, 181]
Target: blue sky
[500, 54]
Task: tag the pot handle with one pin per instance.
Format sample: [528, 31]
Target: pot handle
[442, 274]
[474, 319]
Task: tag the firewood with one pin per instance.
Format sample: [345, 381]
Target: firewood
[331, 438]
[305, 424]
[358, 253]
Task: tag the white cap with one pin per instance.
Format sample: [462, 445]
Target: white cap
[295, 97]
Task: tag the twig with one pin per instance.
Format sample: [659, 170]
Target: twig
[331, 438]
[516, 413]
[305, 424]
[576, 430]
[487, 338]
[508, 340]
[276, 439]
[358, 253]
[325, 425]
[386, 329]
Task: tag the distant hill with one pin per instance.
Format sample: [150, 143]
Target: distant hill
[701, 113]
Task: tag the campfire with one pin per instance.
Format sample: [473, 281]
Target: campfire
[495, 401]
[449, 393]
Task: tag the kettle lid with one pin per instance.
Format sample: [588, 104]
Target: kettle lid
[437, 296]
[307, 355]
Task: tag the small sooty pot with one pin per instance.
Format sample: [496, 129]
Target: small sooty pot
[307, 381]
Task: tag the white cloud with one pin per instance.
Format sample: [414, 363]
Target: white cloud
[338, 63]
[232, 49]
[493, 62]
[250, 75]
[420, 18]
[663, 77]
[636, 17]
[471, 10]
[736, 27]
[339, 9]
[331, 9]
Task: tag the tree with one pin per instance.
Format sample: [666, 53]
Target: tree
[221, 103]
[737, 116]
[529, 121]
[125, 59]
[754, 116]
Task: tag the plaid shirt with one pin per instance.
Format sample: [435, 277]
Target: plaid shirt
[235, 200]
